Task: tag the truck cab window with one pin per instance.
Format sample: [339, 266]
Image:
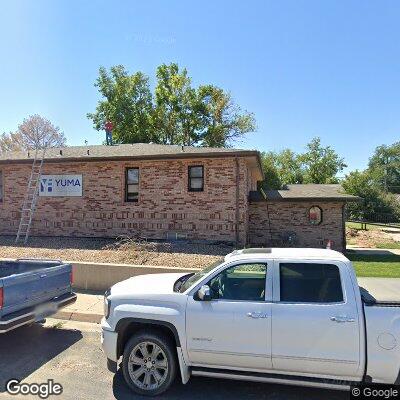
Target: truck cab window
[240, 282]
[310, 283]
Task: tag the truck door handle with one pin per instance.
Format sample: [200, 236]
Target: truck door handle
[342, 318]
[257, 314]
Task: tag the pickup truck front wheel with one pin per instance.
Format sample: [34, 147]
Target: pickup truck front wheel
[149, 363]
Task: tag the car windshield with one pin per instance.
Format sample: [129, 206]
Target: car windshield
[190, 280]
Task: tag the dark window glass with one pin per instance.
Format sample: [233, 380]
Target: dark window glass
[310, 283]
[132, 184]
[196, 178]
[240, 282]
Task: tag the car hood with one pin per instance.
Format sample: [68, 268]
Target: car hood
[147, 284]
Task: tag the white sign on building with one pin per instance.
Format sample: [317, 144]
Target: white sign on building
[61, 185]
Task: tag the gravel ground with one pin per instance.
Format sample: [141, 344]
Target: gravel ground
[124, 251]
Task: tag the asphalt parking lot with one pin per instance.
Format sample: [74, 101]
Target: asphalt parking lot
[70, 354]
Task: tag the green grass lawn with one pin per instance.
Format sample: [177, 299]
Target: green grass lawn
[370, 227]
[388, 245]
[357, 225]
[385, 266]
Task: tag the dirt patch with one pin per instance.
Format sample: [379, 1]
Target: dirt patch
[119, 251]
[371, 238]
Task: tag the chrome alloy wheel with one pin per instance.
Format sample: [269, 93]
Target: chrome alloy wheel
[148, 366]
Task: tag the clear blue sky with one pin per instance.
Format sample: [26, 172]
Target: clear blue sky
[305, 68]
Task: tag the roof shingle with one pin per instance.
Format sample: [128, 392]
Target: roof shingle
[306, 192]
[136, 150]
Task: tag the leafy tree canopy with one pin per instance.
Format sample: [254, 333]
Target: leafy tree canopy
[376, 186]
[317, 165]
[375, 202]
[384, 166]
[176, 113]
[321, 164]
[127, 102]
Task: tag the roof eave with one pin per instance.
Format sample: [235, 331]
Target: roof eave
[244, 153]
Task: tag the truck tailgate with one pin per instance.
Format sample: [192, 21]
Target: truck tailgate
[35, 287]
[383, 335]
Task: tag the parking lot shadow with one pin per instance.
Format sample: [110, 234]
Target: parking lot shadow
[206, 388]
[26, 349]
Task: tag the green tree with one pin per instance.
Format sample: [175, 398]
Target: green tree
[317, 165]
[127, 103]
[177, 118]
[384, 166]
[321, 164]
[272, 180]
[224, 121]
[177, 113]
[281, 168]
[374, 202]
[290, 168]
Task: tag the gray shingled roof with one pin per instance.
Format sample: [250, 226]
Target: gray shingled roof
[124, 151]
[305, 192]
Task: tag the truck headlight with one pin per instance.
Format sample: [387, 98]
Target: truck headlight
[107, 303]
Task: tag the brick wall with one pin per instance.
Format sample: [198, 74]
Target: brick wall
[165, 204]
[287, 216]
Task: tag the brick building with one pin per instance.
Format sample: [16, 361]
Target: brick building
[166, 192]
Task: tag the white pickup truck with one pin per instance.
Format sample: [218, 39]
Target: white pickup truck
[290, 316]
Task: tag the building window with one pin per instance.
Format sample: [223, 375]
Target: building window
[1, 186]
[196, 178]
[315, 215]
[132, 184]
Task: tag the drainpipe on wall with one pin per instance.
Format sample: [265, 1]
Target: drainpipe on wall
[237, 201]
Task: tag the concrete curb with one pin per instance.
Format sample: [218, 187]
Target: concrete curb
[101, 276]
[78, 316]
[156, 267]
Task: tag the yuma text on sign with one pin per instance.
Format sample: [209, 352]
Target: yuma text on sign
[61, 185]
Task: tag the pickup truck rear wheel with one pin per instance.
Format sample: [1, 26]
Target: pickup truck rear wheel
[149, 363]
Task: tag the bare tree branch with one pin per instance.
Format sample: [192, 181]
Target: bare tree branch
[34, 132]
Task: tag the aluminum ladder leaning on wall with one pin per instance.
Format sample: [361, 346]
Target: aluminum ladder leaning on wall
[32, 193]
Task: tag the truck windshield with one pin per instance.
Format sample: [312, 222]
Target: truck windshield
[190, 280]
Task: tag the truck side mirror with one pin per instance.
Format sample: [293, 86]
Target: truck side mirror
[204, 293]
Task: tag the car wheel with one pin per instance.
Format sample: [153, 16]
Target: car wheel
[149, 363]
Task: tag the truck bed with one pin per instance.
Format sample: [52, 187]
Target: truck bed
[8, 268]
[33, 289]
[370, 300]
[380, 290]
